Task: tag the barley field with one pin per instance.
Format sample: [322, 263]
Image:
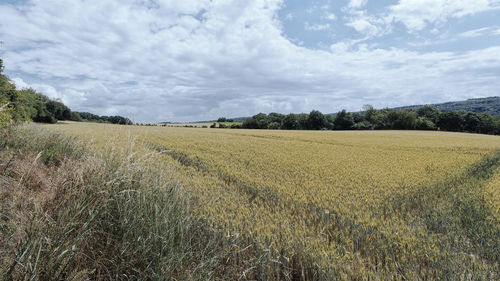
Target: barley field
[313, 205]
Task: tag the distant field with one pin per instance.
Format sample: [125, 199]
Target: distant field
[361, 203]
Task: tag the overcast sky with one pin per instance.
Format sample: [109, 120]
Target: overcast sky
[187, 60]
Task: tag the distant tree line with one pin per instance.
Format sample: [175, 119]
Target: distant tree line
[29, 105]
[224, 119]
[89, 117]
[422, 118]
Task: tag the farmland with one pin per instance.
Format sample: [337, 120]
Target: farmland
[346, 204]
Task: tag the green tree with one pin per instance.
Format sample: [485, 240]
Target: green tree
[472, 122]
[487, 124]
[275, 117]
[423, 123]
[363, 125]
[317, 120]
[75, 117]
[273, 126]
[303, 121]
[250, 123]
[429, 112]
[451, 121]
[290, 122]
[401, 119]
[343, 121]
[368, 112]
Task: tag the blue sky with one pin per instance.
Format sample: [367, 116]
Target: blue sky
[170, 60]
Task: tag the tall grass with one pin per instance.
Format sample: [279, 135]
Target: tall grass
[68, 214]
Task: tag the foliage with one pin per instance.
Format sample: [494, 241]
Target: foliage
[317, 120]
[343, 121]
[422, 118]
[29, 105]
[224, 119]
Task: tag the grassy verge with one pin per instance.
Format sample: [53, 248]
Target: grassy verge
[69, 214]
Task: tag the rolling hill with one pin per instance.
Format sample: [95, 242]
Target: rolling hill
[489, 105]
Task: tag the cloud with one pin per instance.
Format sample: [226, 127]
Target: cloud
[329, 16]
[485, 31]
[370, 26]
[357, 4]
[364, 26]
[196, 60]
[316, 27]
[417, 14]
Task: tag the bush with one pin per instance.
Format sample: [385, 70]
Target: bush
[424, 124]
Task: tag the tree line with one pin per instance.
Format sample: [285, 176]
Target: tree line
[29, 105]
[422, 118]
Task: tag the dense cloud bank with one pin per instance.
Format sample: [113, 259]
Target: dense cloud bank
[196, 60]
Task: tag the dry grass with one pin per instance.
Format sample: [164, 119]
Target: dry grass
[69, 214]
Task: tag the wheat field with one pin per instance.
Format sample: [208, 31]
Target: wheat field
[355, 205]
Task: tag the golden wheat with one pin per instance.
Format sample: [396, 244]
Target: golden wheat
[333, 193]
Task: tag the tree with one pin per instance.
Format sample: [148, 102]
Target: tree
[423, 123]
[303, 121]
[343, 121]
[86, 116]
[1, 66]
[401, 119]
[487, 124]
[275, 117]
[273, 126]
[363, 125]
[58, 110]
[429, 112]
[290, 122]
[451, 121]
[330, 121]
[317, 120]
[250, 123]
[75, 117]
[224, 119]
[472, 122]
[368, 112]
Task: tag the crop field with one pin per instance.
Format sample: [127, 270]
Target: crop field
[355, 205]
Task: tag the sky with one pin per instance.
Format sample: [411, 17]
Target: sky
[190, 60]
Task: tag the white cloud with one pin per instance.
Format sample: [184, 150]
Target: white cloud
[417, 14]
[485, 31]
[368, 25]
[193, 60]
[357, 4]
[330, 16]
[363, 25]
[317, 27]
[20, 84]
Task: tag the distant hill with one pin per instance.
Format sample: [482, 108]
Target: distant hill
[240, 119]
[489, 105]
